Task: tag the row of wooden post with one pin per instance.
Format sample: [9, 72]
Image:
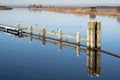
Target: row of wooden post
[93, 34]
[60, 34]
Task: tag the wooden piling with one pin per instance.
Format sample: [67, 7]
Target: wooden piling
[30, 30]
[78, 38]
[60, 34]
[98, 42]
[43, 31]
[89, 35]
[94, 35]
[43, 36]
[6, 29]
[93, 24]
[19, 30]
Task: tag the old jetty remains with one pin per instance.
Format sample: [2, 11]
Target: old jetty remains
[93, 34]
[93, 40]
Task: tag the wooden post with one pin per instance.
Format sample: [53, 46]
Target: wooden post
[93, 24]
[89, 35]
[60, 34]
[6, 29]
[19, 30]
[94, 35]
[78, 38]
[98, 32]
[30, 30]
[43, 31]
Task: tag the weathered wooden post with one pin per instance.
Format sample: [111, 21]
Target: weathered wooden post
[60, 34]
[78, 41]
[78, 38]
[6, 29]
[93, 24]
[43, 36]
[60, 38]
[98, 32]
[94, 35]
[44, 31]
[19, 30]
[30, 31]
[89, 35]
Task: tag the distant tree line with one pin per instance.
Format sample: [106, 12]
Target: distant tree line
[51, 6]
[35, 6]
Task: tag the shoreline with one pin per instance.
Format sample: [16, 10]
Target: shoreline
[92, 11]
[5, 8]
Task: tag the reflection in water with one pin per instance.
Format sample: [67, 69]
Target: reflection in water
[118, 19]
[60, 45]
[93, 56]
[93, 63]
[113, 12]
[43, 41]
[92, 13]
[30, 37]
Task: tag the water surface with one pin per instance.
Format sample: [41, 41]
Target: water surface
[22, 59]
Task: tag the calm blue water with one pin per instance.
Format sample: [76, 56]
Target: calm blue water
[21, 59]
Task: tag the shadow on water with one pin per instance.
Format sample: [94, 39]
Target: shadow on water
[93, 56]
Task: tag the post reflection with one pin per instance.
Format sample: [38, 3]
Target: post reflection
[93, 56]
[60, 45]
[30, 37]
[78, 50]
[43, 41]
[93, 62]
[92, 13]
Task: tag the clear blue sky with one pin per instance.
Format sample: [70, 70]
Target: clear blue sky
[27, 2]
